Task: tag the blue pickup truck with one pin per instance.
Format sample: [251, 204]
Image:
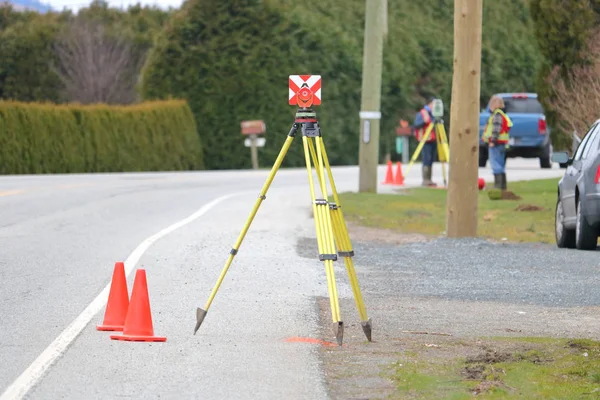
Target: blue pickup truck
[529, 136]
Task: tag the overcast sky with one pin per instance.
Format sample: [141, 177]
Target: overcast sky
[76, 4]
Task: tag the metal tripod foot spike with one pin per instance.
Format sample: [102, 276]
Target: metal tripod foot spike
[338, 331]
[200, 314]
[366, 325]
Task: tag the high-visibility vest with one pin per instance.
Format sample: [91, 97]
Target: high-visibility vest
[504, 131]
[420, 132]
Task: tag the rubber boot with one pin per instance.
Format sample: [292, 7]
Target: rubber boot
[503, 182]
[431, 182]
[498, 181]
[427, 177]
[426, 180]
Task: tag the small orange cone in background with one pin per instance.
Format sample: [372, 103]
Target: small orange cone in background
[399, 180]
[138, 324]
[389, 177]
[118, 301]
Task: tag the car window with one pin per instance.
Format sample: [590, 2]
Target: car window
[583, 143]
[592, 145]
[528, 105]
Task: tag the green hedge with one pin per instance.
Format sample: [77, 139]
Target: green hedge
[40, 138]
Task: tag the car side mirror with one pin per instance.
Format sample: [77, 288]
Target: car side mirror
[561, 157]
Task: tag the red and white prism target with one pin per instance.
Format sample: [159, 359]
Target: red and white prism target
[305, 90]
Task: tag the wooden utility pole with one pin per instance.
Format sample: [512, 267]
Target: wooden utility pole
[462, 209]
[370, 115]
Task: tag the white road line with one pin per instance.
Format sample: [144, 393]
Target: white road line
[36, 370]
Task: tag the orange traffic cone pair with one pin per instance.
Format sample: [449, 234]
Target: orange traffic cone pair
[389, 177]
[133, 318]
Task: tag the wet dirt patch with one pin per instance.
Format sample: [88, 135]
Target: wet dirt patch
[490, 357]
[508, 195]
[497, 194]
[528, 207]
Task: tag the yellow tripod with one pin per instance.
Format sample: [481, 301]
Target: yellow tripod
[330, 226]
[442, 147]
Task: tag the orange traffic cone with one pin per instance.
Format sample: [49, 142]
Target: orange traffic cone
[138, 324]
[389, 177]
[399, 180]
[118, 301]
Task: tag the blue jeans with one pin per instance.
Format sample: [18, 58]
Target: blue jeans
[497, 159]
[428, 152]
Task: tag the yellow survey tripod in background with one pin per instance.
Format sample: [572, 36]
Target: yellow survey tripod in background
[443, 148]
[329, 222]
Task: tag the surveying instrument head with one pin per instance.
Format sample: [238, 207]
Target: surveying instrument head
[333, 240]
[437, 109]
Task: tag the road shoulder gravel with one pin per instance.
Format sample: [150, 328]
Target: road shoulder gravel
[423, 293]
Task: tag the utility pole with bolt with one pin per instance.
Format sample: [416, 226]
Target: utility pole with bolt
[370, 114]
[462, 207]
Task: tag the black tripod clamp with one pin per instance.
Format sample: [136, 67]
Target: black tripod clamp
[307, 119]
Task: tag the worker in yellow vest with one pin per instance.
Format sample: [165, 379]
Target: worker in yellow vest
[496, 135]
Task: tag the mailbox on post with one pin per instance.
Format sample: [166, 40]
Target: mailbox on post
[252, 129]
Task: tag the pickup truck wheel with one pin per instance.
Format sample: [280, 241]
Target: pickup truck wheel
[483, 157]
[565, 238]
[586, 238]
[545, 159]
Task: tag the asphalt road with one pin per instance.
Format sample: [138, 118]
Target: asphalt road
[61, 235]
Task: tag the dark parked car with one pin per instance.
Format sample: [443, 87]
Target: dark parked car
[578, 203]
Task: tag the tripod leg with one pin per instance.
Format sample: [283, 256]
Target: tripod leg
[419, 148]
[325, 240]
[441, 152]
[313, 154]
[342, 239]
[445, 148]
[201, 313]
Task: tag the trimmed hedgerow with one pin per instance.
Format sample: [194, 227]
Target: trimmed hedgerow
[38, 138]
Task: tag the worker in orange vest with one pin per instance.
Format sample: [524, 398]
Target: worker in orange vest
[423, 120]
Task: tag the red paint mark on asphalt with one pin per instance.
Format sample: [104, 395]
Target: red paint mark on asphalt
[310, 340]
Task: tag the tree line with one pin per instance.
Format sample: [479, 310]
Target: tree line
[568, 34]
[94, 56]
[230, 61]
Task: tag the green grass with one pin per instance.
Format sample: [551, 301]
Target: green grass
[423, 210]
[529, 368]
